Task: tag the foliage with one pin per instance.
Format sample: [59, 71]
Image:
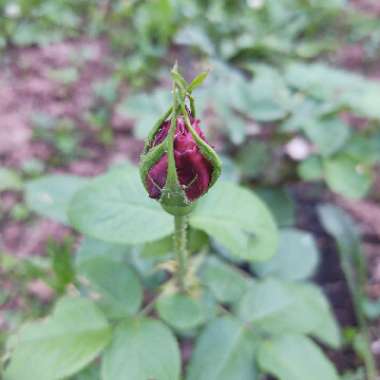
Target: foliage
[61, 345]
[280, 111]
[25, 22]
[250, 317]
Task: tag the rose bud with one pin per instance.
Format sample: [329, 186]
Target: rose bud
[194, 171]
[178, 165]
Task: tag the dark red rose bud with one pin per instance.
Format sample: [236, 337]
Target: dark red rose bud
[194, 171]
[178, 166]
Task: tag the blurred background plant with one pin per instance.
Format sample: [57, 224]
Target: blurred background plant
[291, 102]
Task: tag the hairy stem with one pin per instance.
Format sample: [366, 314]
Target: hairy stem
[180, 246]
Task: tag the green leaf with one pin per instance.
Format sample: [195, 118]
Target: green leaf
[142, 349]
[90, 249]
[195, 36]
[364, 149]
[311, 169]
[341, 226]
[181, 311]
[294, 357]
[347, 177]
[306, 109]
[236, 127]
[328, 135]
[225, 282]
[231, 82]
[238, 220]
[365, 100]
[266, 98]
[62, 263]
[119, 287]
[336, 85]
[230, 170]
[62, 344]
[319, 80]
[89, 373]
[50, 196]
[116, 208]
[280, 203]
[296, 259]
[253, 158]
[197, 240]
[158, 248]
[224, 351]
[9, 180]
[278, 307]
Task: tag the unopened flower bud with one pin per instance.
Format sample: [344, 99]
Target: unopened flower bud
[196, 165]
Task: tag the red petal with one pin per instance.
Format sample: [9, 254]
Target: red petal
[157, 177]
[194, 172]
[161, 133]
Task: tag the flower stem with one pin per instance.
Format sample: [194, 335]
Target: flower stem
[180, 245]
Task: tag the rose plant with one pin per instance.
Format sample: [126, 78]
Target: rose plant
[198, 283]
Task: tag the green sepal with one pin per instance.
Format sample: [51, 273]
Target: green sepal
[207, 151]
[192, 107]
[180, 82]
[149, 159]
[179, 210]
[154, 130]
[173, 198]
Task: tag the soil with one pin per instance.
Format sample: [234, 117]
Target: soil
[329, 275]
